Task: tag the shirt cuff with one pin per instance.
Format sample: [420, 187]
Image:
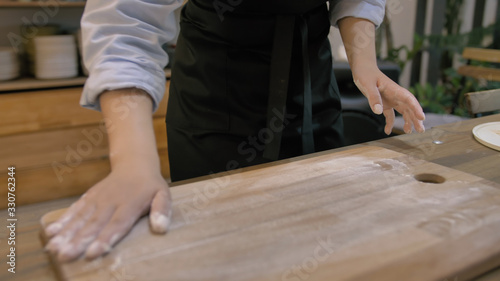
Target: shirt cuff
[372, 10]
[119, 75]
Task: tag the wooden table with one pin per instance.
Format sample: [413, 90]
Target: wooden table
[457, 149]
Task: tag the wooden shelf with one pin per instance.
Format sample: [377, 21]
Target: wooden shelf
[37, 4]
[34, 84]
[22, 84]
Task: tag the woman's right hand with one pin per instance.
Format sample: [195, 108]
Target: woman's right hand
[108, 211]
[135, 186]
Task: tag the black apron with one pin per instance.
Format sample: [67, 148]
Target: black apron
[252, 82]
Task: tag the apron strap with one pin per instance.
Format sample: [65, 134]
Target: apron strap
[307, 131]
[278, 85]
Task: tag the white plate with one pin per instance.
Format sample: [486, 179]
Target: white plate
[9, 72]
[8, 60]
[69, 72]
[61, 70]
[56, 58]
[8, 76]
[7, 56]
[6, 51]
[56, 53]
[54, 47]
[48, 75]
[9, 68]
[488, 134]
[4, 58]
[54, 39]
[56, 65]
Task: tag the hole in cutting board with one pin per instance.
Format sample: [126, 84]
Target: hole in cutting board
[430, 178]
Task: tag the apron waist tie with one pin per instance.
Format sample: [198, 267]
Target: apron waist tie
[278, 85]
[307, 128]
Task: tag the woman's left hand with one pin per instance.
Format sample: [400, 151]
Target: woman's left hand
[385, 95]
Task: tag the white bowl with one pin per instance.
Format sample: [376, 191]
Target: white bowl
[57, 60]
[56, 74]
[10, 76]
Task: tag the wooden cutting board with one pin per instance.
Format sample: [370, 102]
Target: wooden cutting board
[360, 214]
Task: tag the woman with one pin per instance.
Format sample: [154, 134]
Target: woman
[252, 83]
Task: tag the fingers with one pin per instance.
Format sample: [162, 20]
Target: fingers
[69, 230]
[413, 114]
[117, 227]
[404, 102]
[373, 96]
[161, 212]
[58, 225]
[414, 106]
[420, 126]
[73, 249]
[98, 220]
[389, 120]
[412, 121]
[407, 127]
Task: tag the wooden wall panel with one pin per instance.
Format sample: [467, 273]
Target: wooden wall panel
[68, 145]
[49, 109]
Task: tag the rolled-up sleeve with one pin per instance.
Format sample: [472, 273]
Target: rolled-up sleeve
[372, 10]
[122, 46]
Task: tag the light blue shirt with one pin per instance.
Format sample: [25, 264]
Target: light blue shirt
[122, 42]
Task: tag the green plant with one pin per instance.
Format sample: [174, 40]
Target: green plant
[403, 54]
[448, 95]
[433, 98]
